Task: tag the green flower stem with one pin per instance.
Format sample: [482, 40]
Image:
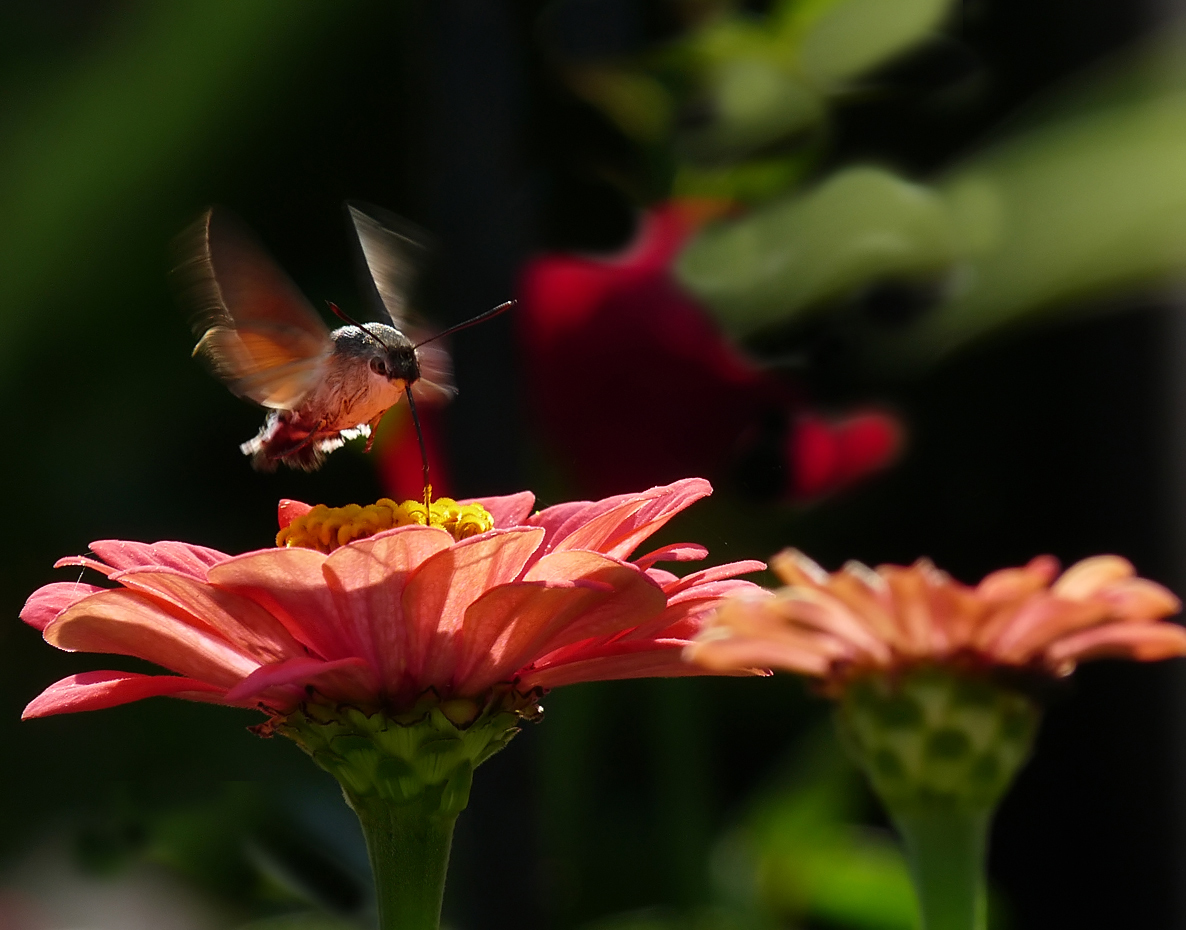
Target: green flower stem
[407, 777]
[940, 748]
[409, 848]
[945, 849]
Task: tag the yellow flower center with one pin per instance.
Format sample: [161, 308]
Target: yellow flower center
[326, 528]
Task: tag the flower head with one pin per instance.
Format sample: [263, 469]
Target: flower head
[376, 607]
[841, 626]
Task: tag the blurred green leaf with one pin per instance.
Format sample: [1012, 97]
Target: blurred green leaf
[847, 38]
[1077, 209]
[798, 853]
[1087, 201]
[638, 103]
[740, 83]
[791, 255]
[752, 181]
[751, 102]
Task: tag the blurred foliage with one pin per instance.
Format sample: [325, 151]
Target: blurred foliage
[1084, 203]
[797, 857]
[1090, 200]
[859, 225]
[243, 847]
[737, 105]
[801, 856]
[97, 146]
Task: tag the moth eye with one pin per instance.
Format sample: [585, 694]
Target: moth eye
[379, 367]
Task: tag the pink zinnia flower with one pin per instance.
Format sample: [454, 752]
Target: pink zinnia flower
[839, 626]
[498, 601]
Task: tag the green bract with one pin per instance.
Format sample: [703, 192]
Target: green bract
[426, 757]
[932, 736]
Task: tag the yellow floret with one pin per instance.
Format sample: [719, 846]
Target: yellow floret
[326, 528]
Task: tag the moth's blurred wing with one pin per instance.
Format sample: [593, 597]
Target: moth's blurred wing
[254, 328]
[435, 385]
[393, 250]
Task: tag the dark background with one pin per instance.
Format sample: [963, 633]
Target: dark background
[450, 113]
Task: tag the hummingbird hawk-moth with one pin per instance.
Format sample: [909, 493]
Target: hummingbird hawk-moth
[266, 343]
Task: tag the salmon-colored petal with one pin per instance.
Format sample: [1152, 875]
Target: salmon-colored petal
[685, 612]
[911, 607]
[715, 590]
[508, 510]
[442, 588]
[1143, 642]
[356, 684]
[367, 579]
[623, 661]
[502, 625]
[1040, 622]
[289, 510]
[99, 690]
[50, 600]
[795, 568]
[817, 610]
[1085, 578]
[867, 595]
[1138, 600]
[127, 623]
[716, 573]
[616, 526]
[289, 584]
[627, 596]
[574, 596]
[178, 556]
[802, 658]
[676, 552]
[82, 561]
[1009, 584]
[240, 621]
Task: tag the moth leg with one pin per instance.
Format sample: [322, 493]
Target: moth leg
[373, 426]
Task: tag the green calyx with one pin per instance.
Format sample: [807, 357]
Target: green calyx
[931, 736]
[424, 758]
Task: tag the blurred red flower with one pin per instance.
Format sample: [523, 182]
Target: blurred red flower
[631, 382]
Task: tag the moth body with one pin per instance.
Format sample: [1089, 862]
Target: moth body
[266, 343]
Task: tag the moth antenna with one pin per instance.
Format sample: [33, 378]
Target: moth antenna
[480, 318]
[343, 315]
[423, 456]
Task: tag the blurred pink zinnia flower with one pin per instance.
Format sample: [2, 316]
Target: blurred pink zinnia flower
[498, 601]
[838, 626]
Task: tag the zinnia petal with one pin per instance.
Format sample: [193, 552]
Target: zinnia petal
[436, 597]
[1142, 642]
[852, 623]
[48, 601]
[1083, 579]
[178, 556]
[617, 662]
[289, 584]
[126, 623]
[99, 690]
[367, 579]
[241, 622]
[617, 525]
[357, 683]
